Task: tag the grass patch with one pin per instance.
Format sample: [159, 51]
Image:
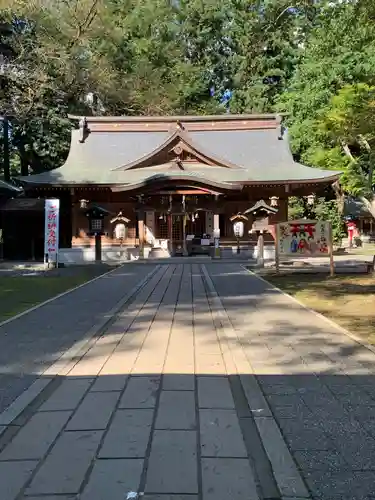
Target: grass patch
[20, 292]
[348, 300]
[367, 249]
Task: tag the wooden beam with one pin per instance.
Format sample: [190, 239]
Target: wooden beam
[186, 192]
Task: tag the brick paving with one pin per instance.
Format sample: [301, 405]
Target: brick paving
[167, 402]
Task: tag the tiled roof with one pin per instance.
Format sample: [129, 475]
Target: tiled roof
[257, 154]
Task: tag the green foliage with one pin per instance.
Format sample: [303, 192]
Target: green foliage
[314, 60]
[328, 210]
[267, 41]
[330, 99]
[323, 209]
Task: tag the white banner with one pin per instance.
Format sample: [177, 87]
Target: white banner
[51, 230]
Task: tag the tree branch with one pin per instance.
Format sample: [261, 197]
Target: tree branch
[86, 23]
[370, 205]
[363, 142]
[340, 197]
[347, 151]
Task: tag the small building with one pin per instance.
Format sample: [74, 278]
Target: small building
[173, 179]
[8, 192]
[356, 211]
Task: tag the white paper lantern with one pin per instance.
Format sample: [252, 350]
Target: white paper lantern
[238, 228]
[120, 230]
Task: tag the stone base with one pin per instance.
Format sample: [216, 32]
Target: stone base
[117, 255]
[110, 255]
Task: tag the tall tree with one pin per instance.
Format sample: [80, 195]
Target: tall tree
[267, 41]
[339, 52]
[329, 99]
[45, 75]
[348, 124]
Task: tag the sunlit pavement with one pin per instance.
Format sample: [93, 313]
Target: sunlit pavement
[208, 385]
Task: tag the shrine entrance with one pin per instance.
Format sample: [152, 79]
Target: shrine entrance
[171, 230]
[181, 221]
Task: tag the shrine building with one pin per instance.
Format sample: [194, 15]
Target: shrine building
[167, 185]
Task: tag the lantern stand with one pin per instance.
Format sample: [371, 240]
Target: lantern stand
[96, 216]
[260, 213]
[238, 227]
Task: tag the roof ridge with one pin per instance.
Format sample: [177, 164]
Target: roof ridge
[183, 118]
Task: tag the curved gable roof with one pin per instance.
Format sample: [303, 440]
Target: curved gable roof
[242, 149]
[178, 138]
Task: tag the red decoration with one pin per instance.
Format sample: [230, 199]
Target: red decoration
[295, 229]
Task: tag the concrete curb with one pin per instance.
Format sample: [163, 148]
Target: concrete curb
[316, 314]
[64, 364]
[289, 480]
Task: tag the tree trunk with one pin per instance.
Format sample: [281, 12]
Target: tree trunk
[340, 197]
[23, 159]
[363, 142]
[369, 204]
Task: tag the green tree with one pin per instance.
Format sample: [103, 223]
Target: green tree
[45, 76]
[330, 97]
[324, 208]
[267, 37]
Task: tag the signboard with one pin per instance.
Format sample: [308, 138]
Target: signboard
[260, 224]
[51, 230]
[238, 228]
[303, 237]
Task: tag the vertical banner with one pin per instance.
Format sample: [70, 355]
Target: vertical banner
[51, 230]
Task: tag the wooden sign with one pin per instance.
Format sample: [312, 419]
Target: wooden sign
[261, 224]
[304, 238]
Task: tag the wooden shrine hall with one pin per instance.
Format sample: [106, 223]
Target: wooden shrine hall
[167, 185]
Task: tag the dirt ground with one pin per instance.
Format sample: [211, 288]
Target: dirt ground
[348, 300]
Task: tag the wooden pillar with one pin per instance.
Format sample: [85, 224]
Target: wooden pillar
[184, 246]
[282, 212]
[150, 227]
[170, 226]
[217, 236]
[98, 247]
[75, 231]
[209, 223]
[141, 233]
[170, 233]
[260, 257]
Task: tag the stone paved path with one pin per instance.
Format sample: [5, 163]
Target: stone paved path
[319, 384]
[31, 343]
[209, 385]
